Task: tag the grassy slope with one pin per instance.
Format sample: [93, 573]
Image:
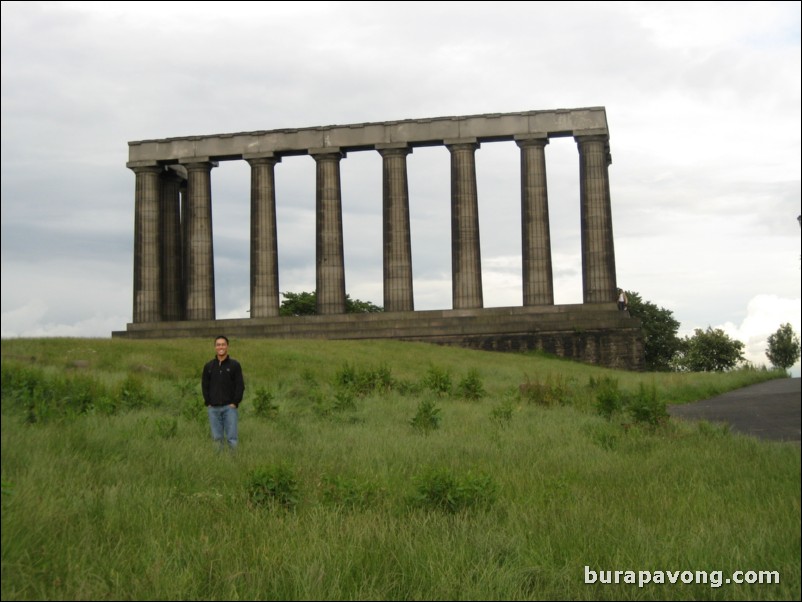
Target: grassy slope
[118, 508]
[272, 363]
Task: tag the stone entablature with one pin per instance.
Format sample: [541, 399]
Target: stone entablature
[370, 136]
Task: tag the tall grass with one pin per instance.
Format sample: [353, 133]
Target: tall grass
[114, 490]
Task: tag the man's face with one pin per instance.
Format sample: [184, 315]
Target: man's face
[221, 348]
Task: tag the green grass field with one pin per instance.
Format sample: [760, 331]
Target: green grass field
[379, 471]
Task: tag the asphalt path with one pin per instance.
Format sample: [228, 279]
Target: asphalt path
[769, 410]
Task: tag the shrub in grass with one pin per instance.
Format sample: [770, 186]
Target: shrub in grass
[20, 383]
[609, 399]
[46, 397]
[439, 489]
[346, 376]
[645, 407]
[437, 380]
[471, 387]
[344, 401]
[427, 417]
[364, 381]
[134, 394]
[273, 486]
[383, 378]
[309, 379]
[263, 404]
[26, 388]
[78, 394]
[106, 404]
[189, 400]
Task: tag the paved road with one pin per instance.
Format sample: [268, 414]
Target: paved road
[769, 410]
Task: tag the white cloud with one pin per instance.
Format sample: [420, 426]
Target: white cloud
[764, 316]
[29, 321]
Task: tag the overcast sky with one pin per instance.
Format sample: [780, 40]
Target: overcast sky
[702, 102]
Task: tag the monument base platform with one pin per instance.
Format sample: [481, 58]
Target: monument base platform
[592, 333]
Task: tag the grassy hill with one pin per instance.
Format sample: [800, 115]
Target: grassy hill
[381, 470]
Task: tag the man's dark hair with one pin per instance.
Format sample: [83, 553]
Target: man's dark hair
[222, 336]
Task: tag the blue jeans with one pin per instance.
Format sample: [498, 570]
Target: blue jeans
[223, 420]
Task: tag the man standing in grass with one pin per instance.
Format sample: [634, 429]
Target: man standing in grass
[223, 388]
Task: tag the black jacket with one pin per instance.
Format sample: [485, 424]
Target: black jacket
[222, 383]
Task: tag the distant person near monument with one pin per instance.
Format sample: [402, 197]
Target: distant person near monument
[623, 302]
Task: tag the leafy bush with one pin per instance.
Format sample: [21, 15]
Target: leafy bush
[273, 486]
[20, 383]
[344, 401]
[609, 399]
[438, 489]
[134, 394]
[44, 397]
[437, 380]
[645, 407]
[365, 381]
[263, 405]
[471, 386]
[427, 418]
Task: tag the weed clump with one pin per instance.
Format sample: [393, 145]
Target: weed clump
[273, 486]
[427, 418]
[439, 489]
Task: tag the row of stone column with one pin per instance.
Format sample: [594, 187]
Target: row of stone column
[174, 255]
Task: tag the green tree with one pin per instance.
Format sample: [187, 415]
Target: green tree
[661, 342]
[710, 350]
[784, 347]
[356, 306]
[298, 304]
[305, 304]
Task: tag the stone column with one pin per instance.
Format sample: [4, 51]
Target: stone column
[538, 281]
[184, 244]
[147, 244]
[264, 239]
[396, 231]
[330, 264]
[466, 264]
[199, 258]
[171, 261]
[598, 254]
